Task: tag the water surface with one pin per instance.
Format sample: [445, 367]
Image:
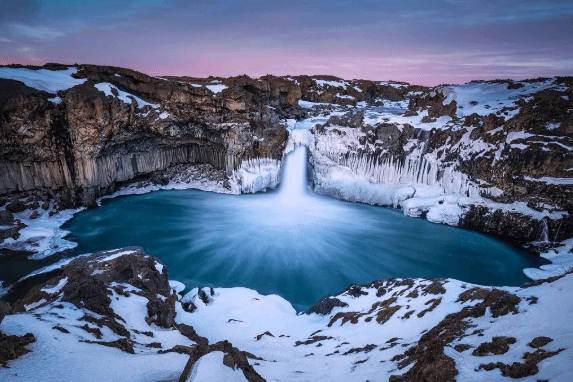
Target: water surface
[291, 242]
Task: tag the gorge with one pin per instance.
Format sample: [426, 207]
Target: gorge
[488, 156]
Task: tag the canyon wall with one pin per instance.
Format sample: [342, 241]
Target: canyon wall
[115, 124]
[505, 169]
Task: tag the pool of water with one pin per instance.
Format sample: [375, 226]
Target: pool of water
[292, 242]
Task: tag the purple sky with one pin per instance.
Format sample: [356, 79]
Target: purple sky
[423, 42]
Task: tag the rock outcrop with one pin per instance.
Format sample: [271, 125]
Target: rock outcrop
[119, 124]
[509, 163]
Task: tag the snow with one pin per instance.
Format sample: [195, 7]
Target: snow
[177, 286]
[56, 100]
[58, 356]
[216, 88]
[553, 126]
[115, 255]
[128, 98]
[3, 290]
[561, 262]
[255, 175]
[159, 267]
[495, 95]
[210, 368]
[393, 84]
[51, 81]
[35, 304]
[336, 84]
[43, 235]
[56, 288]
[344, 96]
[310, 105]
[551, 180]
[242, 316]
[164, 115]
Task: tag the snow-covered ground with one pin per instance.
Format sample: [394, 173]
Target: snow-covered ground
[50, 81]
[126, 97]
[364, 339]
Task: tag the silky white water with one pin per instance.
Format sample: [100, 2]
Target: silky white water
[290, 241]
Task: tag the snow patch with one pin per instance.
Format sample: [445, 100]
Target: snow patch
[216, 88]
[126, 97]
[51, 81]
[551, 180]
[56, 288]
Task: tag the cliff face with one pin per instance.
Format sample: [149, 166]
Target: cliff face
[114, 124]
[489, 156]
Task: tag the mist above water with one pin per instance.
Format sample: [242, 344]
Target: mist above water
[291, 241]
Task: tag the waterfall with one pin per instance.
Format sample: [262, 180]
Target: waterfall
[544, 238]
[294, 185]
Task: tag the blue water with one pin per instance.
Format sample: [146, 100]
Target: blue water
[291, 242]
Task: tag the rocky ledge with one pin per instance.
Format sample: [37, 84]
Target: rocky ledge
[120, 308]
[495, 157]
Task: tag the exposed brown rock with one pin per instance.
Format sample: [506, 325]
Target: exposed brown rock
[498, 345]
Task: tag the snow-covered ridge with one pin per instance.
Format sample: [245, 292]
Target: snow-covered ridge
[358, 334]
[125, 97]
[51, 81]
[485, 98]
[336, 84]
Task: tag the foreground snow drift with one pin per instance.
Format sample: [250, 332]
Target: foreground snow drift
[399, 327]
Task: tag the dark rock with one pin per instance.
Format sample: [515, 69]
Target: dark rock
[203, 296]
[355, 291]
[539, 342]
[162, 313]
[188, 306]
[34, 215]
[35, 205]
[16, 206]
[522, 370]
[95, 331]
[229, 361]
[45, 206]
[325, 305]
[123, 344]
[63, 330]
[267, 333]
[410, 113]
[430, 362]
[13, 347]
[428, 119]
[189, 332]
[6, 218]
[462, 347]
[498, 345]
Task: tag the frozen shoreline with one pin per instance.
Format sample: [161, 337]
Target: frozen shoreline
[433, 202]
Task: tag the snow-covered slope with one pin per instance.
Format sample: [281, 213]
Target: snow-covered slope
[398, 330]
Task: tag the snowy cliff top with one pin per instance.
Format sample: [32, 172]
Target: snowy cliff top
[50, 81]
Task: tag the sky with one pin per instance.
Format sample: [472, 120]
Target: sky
[417, 41]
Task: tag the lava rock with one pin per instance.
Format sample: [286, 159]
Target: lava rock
[6, 218]
[325, 305]
[16, 206]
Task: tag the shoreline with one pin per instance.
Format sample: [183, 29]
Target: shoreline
[59, 235]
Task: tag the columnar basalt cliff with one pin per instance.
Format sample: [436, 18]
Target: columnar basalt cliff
[490, 156]
[114, 124]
